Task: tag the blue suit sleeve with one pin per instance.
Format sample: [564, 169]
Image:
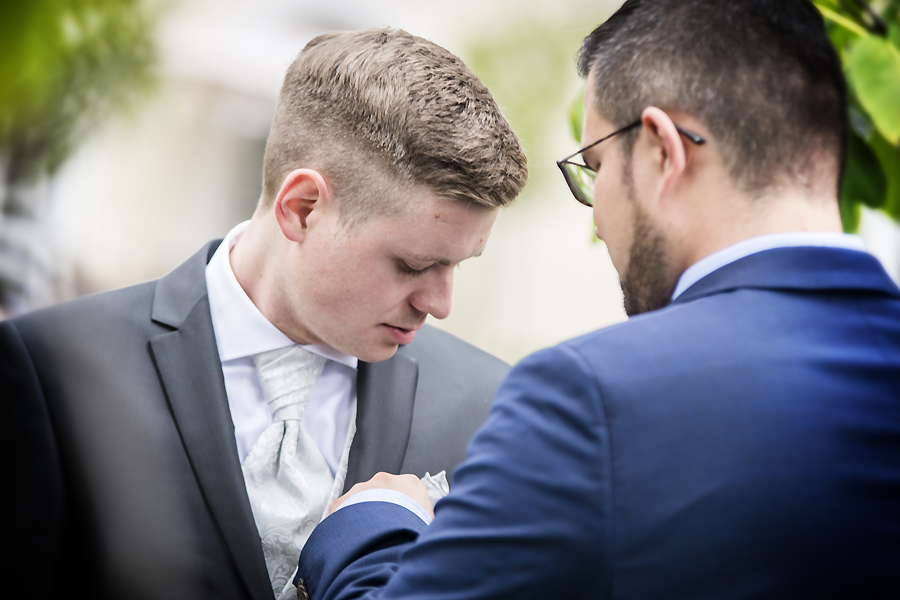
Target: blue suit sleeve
[528, 517]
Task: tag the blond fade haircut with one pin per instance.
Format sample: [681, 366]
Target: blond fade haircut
[375, 109]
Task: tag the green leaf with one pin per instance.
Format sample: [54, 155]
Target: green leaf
[576, 116]
[833, 4]
[889, 157]
[842, 40]
[874, 73]
[864, 180]
[891, 12]
[851, 212]
[831, 13]
[894, 34]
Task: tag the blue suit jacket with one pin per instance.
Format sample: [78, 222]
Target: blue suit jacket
[743, 442]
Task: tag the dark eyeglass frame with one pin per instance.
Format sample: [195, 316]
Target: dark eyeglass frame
[580, 193]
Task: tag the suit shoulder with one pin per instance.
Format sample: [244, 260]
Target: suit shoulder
[434, 344]
[97, 311]
[675, 324]
[453, 374]
[455, 385]
[114, 300]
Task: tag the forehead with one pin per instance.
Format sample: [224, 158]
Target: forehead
[422, 204]
[427, 225]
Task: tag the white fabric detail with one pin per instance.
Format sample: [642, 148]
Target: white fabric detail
[288, 481]
[744, 248]
[437, 486]
[289, 592]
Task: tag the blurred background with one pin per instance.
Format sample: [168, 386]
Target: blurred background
[131, 133]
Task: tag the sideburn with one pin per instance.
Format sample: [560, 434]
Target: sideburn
[645, 283]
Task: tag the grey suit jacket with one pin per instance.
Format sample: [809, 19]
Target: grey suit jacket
[120, 447]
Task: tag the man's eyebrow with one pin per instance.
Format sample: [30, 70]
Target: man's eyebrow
[440, 261]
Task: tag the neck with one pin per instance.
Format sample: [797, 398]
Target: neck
[254, 261]
[247, 261]
[782, 211]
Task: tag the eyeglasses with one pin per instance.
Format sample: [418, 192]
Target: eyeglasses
[580, 178]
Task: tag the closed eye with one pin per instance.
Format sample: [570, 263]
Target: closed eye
[409, 270]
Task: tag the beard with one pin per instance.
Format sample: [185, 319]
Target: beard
[646, 283]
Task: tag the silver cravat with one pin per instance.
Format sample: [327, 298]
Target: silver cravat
[288, 481]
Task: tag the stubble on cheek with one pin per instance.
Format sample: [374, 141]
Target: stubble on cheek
[646, 283]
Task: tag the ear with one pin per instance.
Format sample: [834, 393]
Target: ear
[302, 192]
[668, 148]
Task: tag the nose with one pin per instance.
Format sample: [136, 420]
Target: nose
[435, 296]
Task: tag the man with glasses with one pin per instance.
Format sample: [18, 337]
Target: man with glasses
[739, 435]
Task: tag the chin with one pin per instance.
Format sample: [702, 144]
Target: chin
[378, 354]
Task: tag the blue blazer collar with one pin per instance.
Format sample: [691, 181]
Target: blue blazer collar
[800, 268]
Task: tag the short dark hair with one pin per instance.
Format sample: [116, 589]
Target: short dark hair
[761, 75]
[377, 107]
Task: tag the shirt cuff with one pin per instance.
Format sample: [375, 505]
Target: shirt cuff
[386, 495]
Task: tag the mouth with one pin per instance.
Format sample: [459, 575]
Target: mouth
[400, 335]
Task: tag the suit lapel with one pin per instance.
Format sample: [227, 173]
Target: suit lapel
[385, 395]
[188, 366]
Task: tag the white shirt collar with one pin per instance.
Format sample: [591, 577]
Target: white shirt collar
[241, 330]
[726, 256]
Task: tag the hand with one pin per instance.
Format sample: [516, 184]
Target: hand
[405, 484]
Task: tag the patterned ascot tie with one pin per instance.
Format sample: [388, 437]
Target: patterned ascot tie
[287, 478]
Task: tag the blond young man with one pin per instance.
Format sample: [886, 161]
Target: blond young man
[385, 168]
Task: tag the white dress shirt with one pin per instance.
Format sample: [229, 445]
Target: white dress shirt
[242, 331]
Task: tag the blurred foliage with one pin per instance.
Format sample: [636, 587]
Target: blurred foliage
[529, 66]
[867, 37]
[65, 65]
[576, 117]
